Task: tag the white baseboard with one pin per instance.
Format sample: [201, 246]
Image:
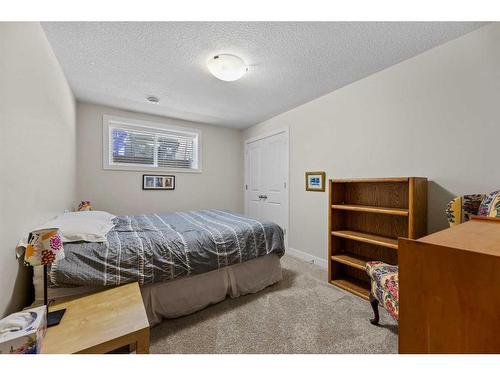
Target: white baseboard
[323, 263]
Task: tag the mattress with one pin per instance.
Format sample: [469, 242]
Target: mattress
[154, 248]
[189, 294]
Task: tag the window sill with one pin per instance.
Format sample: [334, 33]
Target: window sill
[150, 170]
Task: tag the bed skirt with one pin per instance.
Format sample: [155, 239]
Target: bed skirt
[189, 294]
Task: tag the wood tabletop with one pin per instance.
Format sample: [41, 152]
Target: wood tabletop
[479, 235]
[100, 322]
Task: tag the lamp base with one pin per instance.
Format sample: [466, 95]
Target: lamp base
[54, 317]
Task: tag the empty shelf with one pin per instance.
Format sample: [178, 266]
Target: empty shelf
[367, 238]
[354, 286]
[373, 209]
[351, 260]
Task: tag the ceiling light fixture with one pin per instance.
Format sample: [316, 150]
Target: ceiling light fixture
[227, 67]
[153, 99]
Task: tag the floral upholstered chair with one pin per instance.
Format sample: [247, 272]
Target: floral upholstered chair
[384, 288]
[460, 209]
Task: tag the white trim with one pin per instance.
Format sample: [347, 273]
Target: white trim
[267, 135]
[133, 123]
[323, 263]
[287, 175]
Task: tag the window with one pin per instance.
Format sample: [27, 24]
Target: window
[138, 145]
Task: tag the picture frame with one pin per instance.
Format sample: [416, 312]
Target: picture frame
[158, 182]
[315, 181]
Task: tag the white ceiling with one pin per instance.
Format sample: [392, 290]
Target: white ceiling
[120, 64]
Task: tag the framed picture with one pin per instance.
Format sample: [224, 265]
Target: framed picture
[315, 181]
[158, 182]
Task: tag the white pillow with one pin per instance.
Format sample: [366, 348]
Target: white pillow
[96, 215]
[80, 229]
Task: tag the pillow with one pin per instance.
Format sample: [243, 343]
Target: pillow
[95, 215]
[490, 206]
[80, 229]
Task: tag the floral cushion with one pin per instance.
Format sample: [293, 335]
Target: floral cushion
[385, 285]
[461, 208]
[490, 206]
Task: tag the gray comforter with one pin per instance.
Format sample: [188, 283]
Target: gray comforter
[158, 247]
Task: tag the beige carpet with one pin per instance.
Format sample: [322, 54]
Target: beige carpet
[301, 314]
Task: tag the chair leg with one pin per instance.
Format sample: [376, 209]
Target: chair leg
[374, 303]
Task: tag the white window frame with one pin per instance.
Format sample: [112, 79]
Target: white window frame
[109, 121]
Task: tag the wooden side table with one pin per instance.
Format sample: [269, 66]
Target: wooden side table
[100, 323]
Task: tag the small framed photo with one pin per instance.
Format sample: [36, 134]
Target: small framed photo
[158, 182]
[315, 181]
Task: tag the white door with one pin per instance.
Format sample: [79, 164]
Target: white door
[266, 179]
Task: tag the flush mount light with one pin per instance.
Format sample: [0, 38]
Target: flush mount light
[153, 99]
[227, 67]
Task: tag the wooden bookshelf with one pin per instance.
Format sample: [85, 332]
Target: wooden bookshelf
[366, 218]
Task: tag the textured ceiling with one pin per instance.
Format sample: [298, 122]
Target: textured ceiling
[120, 64]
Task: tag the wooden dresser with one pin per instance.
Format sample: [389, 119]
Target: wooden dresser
[449, 290]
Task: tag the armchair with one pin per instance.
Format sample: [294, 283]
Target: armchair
[461, 208]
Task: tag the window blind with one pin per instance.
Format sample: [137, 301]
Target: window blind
[152, 148]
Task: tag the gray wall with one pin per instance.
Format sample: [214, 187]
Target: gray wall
[219, 185]
[436, 115]
[37, 147]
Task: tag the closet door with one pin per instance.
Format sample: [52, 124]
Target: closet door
[255, 179]
[267, 179]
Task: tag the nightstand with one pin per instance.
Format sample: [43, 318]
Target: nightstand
[100, 322]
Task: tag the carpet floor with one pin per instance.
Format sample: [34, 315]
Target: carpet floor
[300, 314]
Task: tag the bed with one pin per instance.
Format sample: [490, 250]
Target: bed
[183, 261]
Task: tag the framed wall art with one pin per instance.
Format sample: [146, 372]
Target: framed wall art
[158, 182]
[315, 181]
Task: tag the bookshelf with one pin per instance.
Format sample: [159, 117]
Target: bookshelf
[366, 218]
